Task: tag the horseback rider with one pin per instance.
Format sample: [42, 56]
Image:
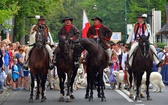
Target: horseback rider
[71, 33]
[102, 35]
[141, 28]
[34, 29]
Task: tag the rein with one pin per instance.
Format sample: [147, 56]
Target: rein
[97, 45]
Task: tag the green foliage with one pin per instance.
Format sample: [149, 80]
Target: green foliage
[144, 6]
[161, 45]
[7, 10]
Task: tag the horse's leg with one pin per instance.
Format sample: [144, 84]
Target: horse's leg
[130, 83]
[68, 87]
[139, 78]
[147, 84]
[32, 88]
[38, 87]
[43, 81]
[91, 88]
[61, 84]
[87, 88]
[103, 98]
[72, 82]
[98, 88]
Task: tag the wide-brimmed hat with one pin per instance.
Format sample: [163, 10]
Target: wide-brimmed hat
[140, 15]
[97, 18]
[67, 18]
[41, 18]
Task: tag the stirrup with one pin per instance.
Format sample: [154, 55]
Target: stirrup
[76, 63]
[110, 63]
[51, 66]
[160, 63]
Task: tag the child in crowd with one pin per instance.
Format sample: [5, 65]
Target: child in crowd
[114, 67]
[15, 74]
[2, 79]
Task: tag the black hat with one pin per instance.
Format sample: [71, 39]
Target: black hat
[67, 18]
[41, 18]
[97, 18]
[140, 15]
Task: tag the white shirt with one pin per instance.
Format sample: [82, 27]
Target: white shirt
[124, 58]
[132, 35]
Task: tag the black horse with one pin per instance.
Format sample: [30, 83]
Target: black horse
[96, 62]
[65, 64]
[142, 61]
[39, 63]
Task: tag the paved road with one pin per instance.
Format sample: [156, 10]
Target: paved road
[114, 97]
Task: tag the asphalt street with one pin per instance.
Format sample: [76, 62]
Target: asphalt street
[114, 97]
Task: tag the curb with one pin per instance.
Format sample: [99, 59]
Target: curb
[4, 95]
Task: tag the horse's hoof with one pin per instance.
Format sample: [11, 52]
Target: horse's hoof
[99, 96]
[72, 96]
[131, 96]
[68, 99]
[137, 98]
[103, 99]
[148, 98]
[90, 98]
[43, 99]
[142, 95]
[61, 99]
[86, 96]
[37, 98]
[31, 100]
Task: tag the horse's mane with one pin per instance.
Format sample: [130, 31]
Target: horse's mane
[90, 45]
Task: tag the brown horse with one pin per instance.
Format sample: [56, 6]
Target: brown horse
[96, 62]
[65, 65]
[39, 63]
[142, 61]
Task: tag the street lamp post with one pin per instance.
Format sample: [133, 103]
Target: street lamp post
[96, 7]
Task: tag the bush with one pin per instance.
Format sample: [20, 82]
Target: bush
[161, 45]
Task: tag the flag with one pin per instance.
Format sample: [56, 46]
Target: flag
[85, 26]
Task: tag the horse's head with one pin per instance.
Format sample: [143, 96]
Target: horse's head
[144, 44]
[64, 44]
[40, 37]
[77, 48]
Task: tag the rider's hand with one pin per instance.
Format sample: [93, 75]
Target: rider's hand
[71, 38]
[96, 36]
[132, 42]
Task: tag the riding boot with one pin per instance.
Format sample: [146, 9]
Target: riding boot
[155, 57]
[51, 65]
[56, 51]
[76, 61]
[25, 65]
[109, 52]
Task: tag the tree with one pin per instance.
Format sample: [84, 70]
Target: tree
[7, 10]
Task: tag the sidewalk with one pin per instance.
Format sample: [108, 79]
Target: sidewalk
[4, 95]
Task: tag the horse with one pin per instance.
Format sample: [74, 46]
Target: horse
[39, 63]
[65, 64]
[142, 61]
[96, 62]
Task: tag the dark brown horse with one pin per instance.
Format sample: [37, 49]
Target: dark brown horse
[65, 65]
[96, 62]
[39, 63]
[142, 61]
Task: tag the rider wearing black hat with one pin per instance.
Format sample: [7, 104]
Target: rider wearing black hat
[71, 33]
[102, 34]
